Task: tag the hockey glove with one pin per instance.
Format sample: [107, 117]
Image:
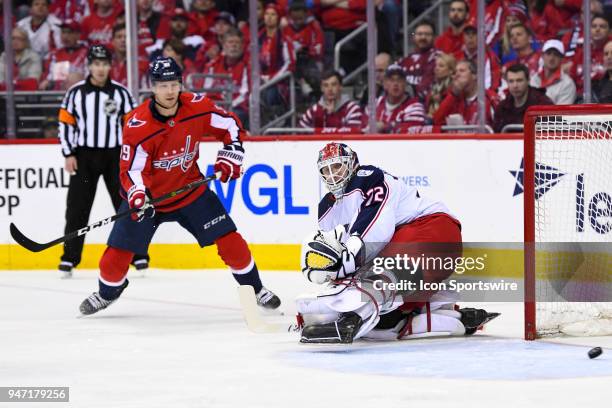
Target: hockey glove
[137, 198]
[350, 257]
[229, 162]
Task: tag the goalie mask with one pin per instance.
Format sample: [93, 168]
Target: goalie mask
[336, 164]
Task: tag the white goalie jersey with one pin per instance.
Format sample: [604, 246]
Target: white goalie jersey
[374, 203]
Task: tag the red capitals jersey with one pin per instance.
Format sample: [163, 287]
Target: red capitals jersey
[308, 39]
[99, 30]
[598, 69]
[399, 118]
[448, 42]
[348, 114]
[420, 68]
[531, 61]
[494, 19]
[240, 77]
[160, 154]
[62, 62]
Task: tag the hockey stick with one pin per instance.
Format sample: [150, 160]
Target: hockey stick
[253, 319]
[30, 245]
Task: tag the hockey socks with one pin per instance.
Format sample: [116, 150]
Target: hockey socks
[234, 251]
[248, 276]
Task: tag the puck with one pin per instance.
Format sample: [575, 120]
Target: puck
[595, 352]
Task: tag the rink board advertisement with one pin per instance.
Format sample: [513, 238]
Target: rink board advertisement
[275, 203]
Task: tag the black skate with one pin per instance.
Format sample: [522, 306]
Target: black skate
[475, 319]
[65, 269]
[267, 299]
[342, 330]
[94, 303]
[141, 264]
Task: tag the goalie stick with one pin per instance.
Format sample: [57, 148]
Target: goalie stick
[253, 319]
[30, 245]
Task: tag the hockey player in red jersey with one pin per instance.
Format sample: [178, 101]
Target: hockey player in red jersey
[369, 214]
[160, 146]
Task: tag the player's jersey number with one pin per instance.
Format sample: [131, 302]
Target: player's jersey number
[125, 152]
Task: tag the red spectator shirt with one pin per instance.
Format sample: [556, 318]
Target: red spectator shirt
[99, 30]
[71, 9]
[205, 23]
[276, 54]
[309, 38]
[531, 61]
[119, 69]
[467, 108]
[420, 68]
[59, 63]
[348, 114]
[240, 77]
[598, 69]
[493, 74]
[399, 118]
[161, 154]
[495, 14]
[448, 42]
[343, 19]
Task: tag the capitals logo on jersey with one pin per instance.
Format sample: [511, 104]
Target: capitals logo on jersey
[184, 158]
[135, 122]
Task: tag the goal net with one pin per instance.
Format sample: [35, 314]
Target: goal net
[568, 220]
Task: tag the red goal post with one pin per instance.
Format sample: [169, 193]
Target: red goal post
[557, 139]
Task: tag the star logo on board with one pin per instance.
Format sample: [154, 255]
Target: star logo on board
[546, 177]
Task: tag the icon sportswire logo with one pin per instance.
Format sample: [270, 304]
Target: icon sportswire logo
[546, 177]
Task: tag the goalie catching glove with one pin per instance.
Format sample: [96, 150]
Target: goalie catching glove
[229, 162]
[137, 198]
[325, 258]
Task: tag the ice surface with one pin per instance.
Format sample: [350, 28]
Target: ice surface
[177, 339]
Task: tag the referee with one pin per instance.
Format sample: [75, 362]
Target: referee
[91, 120]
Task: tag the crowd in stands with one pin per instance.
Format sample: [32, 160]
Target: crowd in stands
[534, 55]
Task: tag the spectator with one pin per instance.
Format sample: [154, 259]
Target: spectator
[306, 35]
[182, 28]
[67, 65]
[503, 47]
[231, 62]
[443, 76]
[381, 63]
[97, 28]
[600, 34]
[28, 65]
[560, 88]
[151, 25]
[451, 40]
[573, 38]
[460, 106]
[520, 40]
[42, 28]
[119, 65]
[176, 49]
[470, 52]
[494, 12]
[224, 21]
[204, 13]
[275, 56]
[396, 110]
[602, 88]
[334, 112]
[70, 9]
[420, 64]
[520, 96]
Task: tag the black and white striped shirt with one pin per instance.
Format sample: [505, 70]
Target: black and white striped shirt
[92, 116]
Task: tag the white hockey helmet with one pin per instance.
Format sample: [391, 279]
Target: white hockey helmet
[336, 163]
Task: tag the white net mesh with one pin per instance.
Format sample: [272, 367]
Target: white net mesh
[573, 224]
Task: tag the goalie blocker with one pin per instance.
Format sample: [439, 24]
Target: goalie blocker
[370, 213]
